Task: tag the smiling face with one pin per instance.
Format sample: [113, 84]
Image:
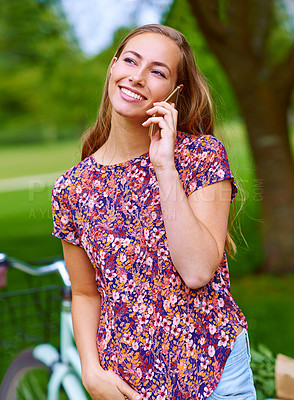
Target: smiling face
[145, 72]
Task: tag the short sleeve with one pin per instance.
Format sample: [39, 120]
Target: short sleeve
[63, 223]
[209, 164]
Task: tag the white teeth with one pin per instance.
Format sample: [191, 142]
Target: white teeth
[132, 94]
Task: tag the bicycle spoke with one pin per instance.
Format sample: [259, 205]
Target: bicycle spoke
[38, 390]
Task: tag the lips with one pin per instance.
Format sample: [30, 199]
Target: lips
[132, 93]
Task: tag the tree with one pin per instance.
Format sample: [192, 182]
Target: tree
[254, 42]
[37, 52]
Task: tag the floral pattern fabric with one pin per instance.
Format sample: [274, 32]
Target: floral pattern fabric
[164, 339]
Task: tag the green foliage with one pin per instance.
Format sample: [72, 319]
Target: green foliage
[263, 368]
[281, 36]
[36, 45]
[181, 18]
[246, 231]
[49, 89]
[265, 299]
[223, 16]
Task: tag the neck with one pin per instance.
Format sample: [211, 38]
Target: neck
[127, 138]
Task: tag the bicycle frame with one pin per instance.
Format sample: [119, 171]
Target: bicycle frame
[64, 364]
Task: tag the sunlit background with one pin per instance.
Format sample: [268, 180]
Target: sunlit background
[95, 21]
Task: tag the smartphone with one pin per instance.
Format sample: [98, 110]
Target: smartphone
[171, 98]
[174, 95]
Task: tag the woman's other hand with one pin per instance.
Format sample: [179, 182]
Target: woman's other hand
[106, 385]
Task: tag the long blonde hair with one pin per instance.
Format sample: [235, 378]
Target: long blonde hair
[195, 111]
[195, 114]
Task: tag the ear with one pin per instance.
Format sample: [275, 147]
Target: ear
[113, 62]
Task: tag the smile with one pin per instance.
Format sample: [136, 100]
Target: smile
[131, 94]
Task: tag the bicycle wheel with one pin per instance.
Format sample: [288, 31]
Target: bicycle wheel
[27, 379]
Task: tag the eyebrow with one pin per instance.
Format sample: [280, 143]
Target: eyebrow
[160, 64]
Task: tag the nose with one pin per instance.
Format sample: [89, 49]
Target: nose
[137, 78]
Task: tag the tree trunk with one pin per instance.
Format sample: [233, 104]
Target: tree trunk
[266, 120]
[264, 102]
[238, 37]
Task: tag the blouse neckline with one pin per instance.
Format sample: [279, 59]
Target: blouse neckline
[118, 165]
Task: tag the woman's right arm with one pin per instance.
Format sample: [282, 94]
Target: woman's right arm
[86, 307]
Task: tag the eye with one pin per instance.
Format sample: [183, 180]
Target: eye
[129, 60]
[159, 73]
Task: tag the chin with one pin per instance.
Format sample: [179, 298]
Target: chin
[130, 114]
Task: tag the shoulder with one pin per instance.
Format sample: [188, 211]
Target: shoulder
[192, 143]
[202, 160]
[202, 148]
[78, 175]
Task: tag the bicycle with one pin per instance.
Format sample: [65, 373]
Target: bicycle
[46, 372]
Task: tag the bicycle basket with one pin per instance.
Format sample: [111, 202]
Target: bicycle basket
[28, 317]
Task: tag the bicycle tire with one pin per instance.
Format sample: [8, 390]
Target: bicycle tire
[27, 379]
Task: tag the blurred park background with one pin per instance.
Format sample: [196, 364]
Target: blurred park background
[54, 56]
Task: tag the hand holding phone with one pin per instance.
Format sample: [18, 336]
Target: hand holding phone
[171, 98]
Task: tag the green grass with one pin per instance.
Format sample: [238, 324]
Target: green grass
[27, 225]
[25, 215]
[40, 158]
[266, 301]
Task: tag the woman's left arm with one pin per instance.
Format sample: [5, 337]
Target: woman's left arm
[196, 226]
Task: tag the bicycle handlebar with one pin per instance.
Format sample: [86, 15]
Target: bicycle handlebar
[37, 271]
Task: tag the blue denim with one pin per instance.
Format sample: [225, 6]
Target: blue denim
[236, 381]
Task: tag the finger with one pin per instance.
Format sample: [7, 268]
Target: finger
[152, 120]
[161, 108]
[158, 110]
[163, 127]
[160, 125]
[155, 133]
[156, 119]
[168, 123]
[165, 104]
[128, 391]
[172, 118]
[170, 113]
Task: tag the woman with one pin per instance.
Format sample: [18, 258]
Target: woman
[143, 222]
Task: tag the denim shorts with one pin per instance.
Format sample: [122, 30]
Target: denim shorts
[236, 381]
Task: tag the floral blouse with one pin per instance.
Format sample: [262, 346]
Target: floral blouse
[164, 339]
